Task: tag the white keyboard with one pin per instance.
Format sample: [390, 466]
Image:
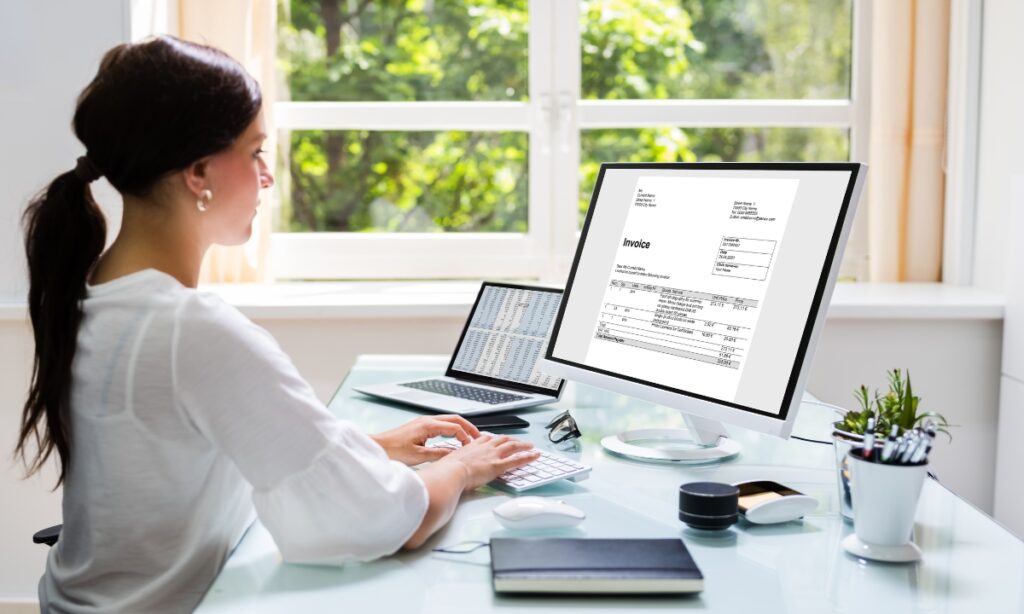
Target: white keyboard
[545, 470]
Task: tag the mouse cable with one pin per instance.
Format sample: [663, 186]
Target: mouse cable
[462, 547]
[809, 440]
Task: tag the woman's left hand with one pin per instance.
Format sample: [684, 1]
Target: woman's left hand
[406, 443]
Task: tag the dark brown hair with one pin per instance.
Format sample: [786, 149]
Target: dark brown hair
[153, 108]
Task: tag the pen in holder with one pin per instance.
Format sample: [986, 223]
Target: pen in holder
[885, 502]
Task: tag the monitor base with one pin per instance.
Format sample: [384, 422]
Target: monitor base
[667, 447]
[704, 441]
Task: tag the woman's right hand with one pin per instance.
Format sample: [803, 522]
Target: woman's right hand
[473, 465]
[489, 456]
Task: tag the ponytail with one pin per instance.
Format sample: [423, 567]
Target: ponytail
[65, 232]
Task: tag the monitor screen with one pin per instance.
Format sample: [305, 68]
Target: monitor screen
[506, 337]
[705, 280]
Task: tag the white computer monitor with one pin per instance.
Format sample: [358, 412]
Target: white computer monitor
[703, 287]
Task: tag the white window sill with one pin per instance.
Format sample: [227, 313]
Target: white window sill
[364, 299]
[932, 301]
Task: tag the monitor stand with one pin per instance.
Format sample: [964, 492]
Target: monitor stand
[703, 441]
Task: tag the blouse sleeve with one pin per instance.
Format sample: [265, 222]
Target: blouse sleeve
[325, 491]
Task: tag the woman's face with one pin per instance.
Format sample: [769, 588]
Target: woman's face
[236, 176]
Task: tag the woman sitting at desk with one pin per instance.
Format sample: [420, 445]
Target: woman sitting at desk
[175, 419]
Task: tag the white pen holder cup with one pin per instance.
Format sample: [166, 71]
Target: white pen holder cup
[885, 500]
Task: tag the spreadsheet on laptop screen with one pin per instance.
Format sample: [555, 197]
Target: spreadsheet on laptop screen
[508, 334]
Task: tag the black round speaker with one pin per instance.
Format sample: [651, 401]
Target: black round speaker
[708, 505]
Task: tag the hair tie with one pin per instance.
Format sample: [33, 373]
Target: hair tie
[86, 170]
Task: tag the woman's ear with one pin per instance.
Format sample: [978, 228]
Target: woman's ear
[195, 176]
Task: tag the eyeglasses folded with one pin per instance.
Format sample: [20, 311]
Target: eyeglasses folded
[562, 428]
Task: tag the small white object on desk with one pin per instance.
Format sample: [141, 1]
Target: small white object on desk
[533, 513]
[768, 502]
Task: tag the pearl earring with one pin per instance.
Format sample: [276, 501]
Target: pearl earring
[204, 200]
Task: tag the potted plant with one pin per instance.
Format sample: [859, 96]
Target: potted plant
[899, 407]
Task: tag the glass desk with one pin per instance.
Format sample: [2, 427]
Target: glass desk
[971, 563]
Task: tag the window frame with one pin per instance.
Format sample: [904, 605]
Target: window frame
[553, 119]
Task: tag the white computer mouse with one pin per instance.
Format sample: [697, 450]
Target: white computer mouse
[537, 513]
[768, 502]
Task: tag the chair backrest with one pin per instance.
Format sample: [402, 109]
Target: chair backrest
[48, 536]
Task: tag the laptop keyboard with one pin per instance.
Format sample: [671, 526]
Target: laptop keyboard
[545, 470]
[470, 393]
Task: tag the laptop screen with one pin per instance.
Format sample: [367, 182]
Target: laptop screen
[507, 335]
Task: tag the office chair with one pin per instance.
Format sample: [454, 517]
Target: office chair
[47, 536]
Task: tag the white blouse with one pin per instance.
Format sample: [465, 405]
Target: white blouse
[186, 418]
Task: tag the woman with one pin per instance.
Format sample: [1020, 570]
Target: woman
[175, 419]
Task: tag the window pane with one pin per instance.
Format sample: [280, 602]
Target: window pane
[403, 50]
[705, 145]
[370, 181]
[664, 49]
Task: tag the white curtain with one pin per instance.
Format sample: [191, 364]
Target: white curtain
[245, 30]
[906, 184]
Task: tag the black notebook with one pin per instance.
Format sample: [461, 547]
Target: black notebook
[593, 566]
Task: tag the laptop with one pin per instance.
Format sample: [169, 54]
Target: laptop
[494, 366]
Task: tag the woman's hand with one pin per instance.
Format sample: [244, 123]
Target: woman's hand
[489, 456]
[406, 443]
[471, 466]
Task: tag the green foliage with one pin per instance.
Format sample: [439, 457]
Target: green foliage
[440, 50]
[407, 181]
[899, 407]
[633, 48]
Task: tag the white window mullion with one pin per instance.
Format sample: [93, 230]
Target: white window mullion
[542, 138]
[566, 77]
[715, 113]
[855, 265]
[403, 116]
[860, 81]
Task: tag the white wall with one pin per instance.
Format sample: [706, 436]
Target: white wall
[1001, 127]
[999, 258]
[954, 365]
[27, 505]
[49, 51]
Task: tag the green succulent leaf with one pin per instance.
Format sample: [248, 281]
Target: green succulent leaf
[898, 406]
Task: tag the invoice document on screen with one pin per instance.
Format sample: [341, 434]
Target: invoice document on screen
[684, 294]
